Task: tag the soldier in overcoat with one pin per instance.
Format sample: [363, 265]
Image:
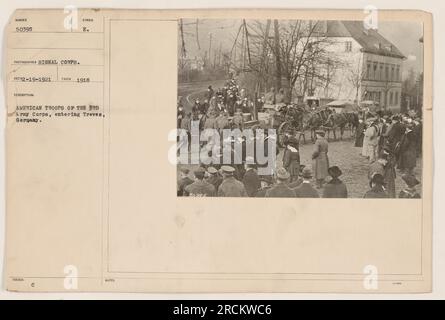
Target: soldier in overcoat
[320, 160]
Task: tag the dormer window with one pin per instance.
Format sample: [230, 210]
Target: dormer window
[348, 46]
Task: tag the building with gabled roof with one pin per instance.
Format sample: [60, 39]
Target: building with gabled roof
[370, 65]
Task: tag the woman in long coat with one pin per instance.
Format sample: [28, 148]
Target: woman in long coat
[320, 160]
[335, 188]
[408, 152]
[291, 159]
[371, 141]
[390, 173]
[360, 134]
[365, 141]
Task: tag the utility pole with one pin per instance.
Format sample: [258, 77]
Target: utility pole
[219, 54]
[210, 48]
[261, 69]
[233, 50]
[215, 55]
[197, 35]
[264, 53]
[247, 41]
[277, 53]
[243, 53]
[183, 51]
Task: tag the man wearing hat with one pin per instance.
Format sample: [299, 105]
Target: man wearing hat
[212, 110]
[210, 92]
[210, 119]
[377, 185]
[299, 181]
[360, 133]
[238, 120]
[408, 150]
[377, 166]
[390, 172]
[418, 134]
[384, 165]
[196, 108]
[394, 133]
[410, 191]
[306, 190]
[281, 189]
[291, 158]
[230, 187]
[320, 160]
[183, 181]
[335, 188]
[250, 179]
[222, 122]
[214, 178]
[200, 188]
[371, 140]
[181, 113]
[186, 125]
[266, 184]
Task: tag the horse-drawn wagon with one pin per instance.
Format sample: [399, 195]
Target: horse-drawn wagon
[285, 119]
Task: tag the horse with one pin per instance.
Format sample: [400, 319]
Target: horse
[294, 118]
[353, 121]
[335, 121]
[314, 121]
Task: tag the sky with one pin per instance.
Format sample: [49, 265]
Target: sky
[404, 35]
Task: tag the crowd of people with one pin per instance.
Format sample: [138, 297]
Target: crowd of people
[220, 109]
[224, 107]
[391, 142]
[296, 180]
[388, 142]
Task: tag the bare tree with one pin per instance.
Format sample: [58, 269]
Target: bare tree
[302, 50]
[355, 76]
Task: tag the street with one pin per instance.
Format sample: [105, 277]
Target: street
[342, 153]
[189, 91]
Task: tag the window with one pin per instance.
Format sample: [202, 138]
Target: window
[398, 73]
[348, 46]
[373, 96]
[386, 73]
[368, 70]
[381, 72]
[396, 98]
[375, 75]
[367, 93]
[391, 97]
[392, 74]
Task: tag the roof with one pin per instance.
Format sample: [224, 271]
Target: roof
[339, 103]
[370, 40]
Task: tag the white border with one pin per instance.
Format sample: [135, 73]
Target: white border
[433, 6]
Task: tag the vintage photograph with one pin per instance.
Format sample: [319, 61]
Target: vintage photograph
[294, 108]
[280, 114]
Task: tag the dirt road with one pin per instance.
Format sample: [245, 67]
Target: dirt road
[191, 90]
